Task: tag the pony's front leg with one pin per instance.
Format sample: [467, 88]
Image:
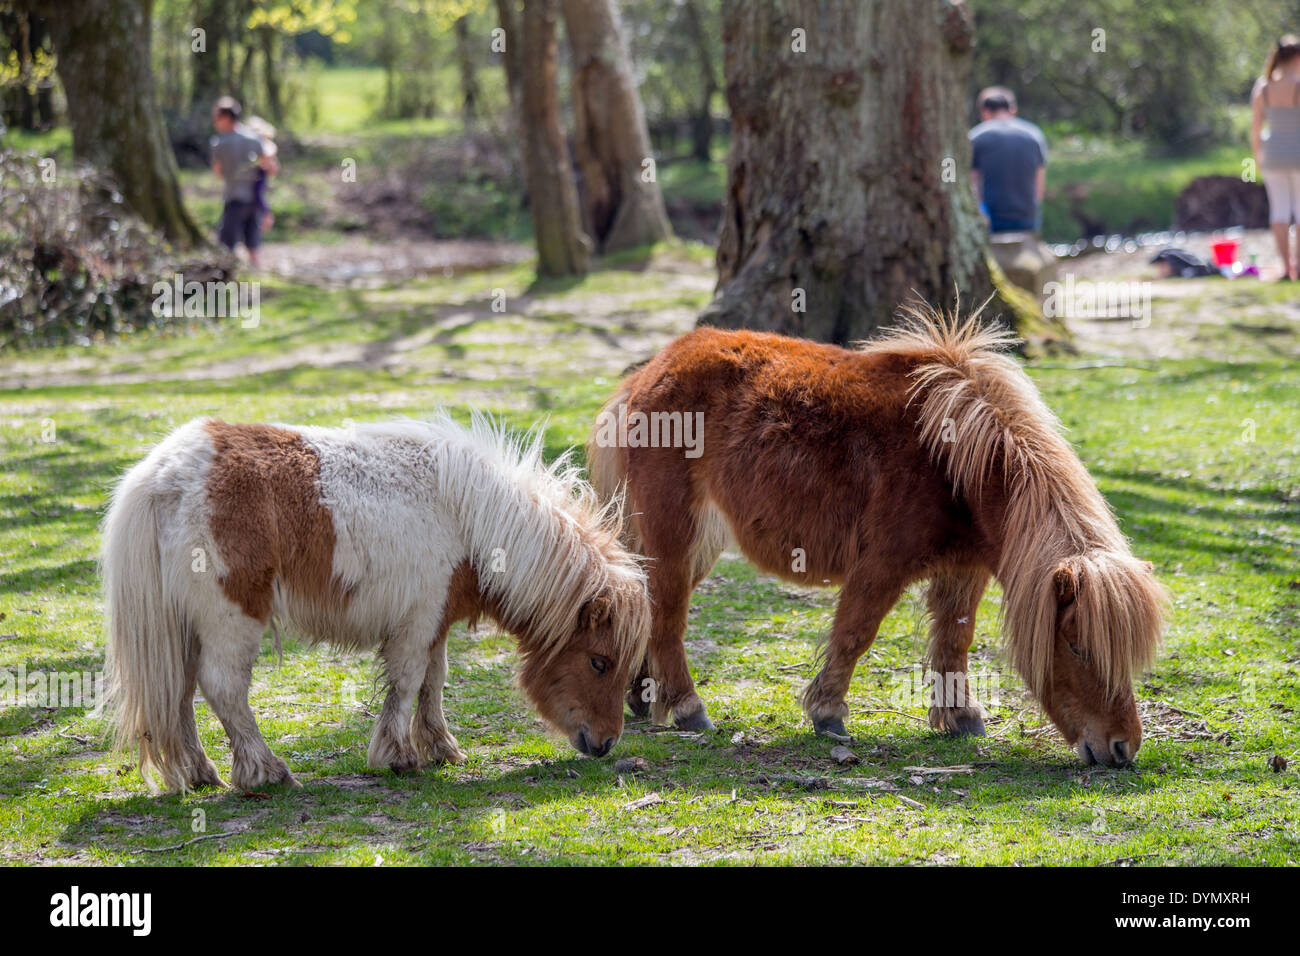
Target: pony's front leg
[433, 741]
[953, 598]
[405, 655]
[863, 605]
[672, 690]
[710, 539]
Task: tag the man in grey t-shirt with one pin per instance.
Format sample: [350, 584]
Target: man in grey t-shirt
[1008, 164]
[236, 155]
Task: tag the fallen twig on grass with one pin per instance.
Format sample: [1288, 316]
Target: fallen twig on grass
[181, 846]
[958, 768]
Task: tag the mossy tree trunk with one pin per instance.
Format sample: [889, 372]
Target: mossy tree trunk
[562, 247]
[622, 204]
[848, 187]
[103, 62]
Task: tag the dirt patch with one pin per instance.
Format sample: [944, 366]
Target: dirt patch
[585, 334]
[360, 262]
[1187, 318]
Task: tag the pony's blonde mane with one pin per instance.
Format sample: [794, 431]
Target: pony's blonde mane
[978, 411]
[540, 541]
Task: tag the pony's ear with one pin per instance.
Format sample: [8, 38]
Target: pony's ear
[594, 613]
[1066, 580]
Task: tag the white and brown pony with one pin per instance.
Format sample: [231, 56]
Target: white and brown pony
[927, 454]
[378, 536]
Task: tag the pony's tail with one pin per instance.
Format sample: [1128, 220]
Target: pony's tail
[147, 638]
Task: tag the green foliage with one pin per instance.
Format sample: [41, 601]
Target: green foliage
[1165, 71]
[476, 208]
[288, 17]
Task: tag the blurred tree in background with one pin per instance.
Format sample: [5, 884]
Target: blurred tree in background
[676, 50]
[26, 70]
[622, 205]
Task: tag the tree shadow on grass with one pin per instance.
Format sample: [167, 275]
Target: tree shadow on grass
[1185, 530]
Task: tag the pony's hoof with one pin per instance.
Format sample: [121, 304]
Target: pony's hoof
[256, 774]
[972, 726]
[832, 727]
[640, 708]
[206, 777]
[446, 751]
[959, 722]
[697, 722]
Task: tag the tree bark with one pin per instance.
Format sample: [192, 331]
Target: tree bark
[469, 92]
[512, 56]
[848, 180]
[702, 118]
[270, 63]
[622, 204]
[214, 19]
[562, 248]
[103, 62]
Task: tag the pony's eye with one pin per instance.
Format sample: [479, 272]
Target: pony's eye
[1074, 648]
[598, 664]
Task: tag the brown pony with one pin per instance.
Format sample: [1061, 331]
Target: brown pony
[927, 454]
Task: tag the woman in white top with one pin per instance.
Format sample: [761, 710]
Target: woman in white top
[1275, 104]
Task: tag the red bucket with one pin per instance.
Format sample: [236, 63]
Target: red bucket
[1225, 251]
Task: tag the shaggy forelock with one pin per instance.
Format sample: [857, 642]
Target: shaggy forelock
[558, 543]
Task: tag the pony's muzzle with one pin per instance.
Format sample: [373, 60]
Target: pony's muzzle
[1120, 753]
[587, 744]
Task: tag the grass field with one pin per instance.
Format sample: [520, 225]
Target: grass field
[1200, 458]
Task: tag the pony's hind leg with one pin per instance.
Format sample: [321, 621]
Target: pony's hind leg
[953, 598]
[863, 605]
[226, 655]
[406, 659]
[197, 766]
[433, 741]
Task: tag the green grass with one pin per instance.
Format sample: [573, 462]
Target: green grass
[349, 99]
[55, 143]
[1219, 516]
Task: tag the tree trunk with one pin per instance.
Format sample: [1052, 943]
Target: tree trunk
[214, 19]
[103, 62]
[512, 56]
[702, 118]
[562, 249]
[468, 77]
[622, 205]
[271, 66]
[848, 186]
